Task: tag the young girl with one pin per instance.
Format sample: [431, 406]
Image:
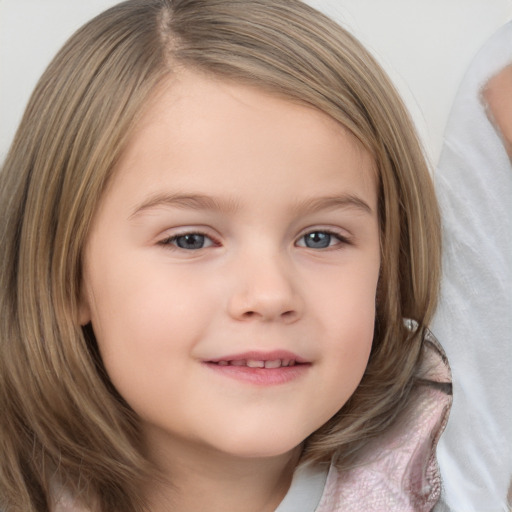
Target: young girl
[221, 256]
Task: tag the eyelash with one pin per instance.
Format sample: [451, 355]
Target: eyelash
[170, 242]
[342, 240]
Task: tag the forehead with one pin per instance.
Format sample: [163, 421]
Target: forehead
[196, 126]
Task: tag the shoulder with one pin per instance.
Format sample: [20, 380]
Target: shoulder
[399, 470]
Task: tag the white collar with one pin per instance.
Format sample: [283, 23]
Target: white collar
[306, 489]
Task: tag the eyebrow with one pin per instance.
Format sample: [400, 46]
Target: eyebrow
[209, 203]
[348, 201]
[185, 202]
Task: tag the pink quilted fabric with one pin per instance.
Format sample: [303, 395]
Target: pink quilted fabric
[399, 471]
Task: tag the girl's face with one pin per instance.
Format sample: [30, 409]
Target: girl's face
[231, 270]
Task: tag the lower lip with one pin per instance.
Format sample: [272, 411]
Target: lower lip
[261, 376]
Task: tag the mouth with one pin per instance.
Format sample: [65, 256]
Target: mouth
[257, 363]
[270, 368]
[258, 359]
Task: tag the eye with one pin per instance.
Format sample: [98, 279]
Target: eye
[189, 241]
[320, 240]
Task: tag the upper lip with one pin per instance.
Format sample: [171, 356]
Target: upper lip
[256, 355]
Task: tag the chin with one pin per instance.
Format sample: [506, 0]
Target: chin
[259, 446]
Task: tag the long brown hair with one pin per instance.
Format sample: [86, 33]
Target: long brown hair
[63, 423]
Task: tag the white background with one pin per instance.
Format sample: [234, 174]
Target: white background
[425, 45]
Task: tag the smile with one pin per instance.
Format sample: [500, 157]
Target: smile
[253, 363]
[261, 368]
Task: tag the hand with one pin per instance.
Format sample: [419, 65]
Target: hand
[497, 96]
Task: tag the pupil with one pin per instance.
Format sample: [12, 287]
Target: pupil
[190, 241]
[318, 240]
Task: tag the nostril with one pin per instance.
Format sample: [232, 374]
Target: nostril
[285, 315]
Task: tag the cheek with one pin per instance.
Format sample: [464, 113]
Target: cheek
[138, 296]
[143, 317]
[349, 344]
[347, 300]
[348, 359]
[348, 316]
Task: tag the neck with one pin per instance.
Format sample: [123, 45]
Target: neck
[210, 481]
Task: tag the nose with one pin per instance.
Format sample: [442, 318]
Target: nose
[265, 289]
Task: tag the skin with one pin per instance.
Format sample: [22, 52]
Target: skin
[497, 95]
[254, 174]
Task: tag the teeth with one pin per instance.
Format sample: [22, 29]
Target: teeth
[255, 364]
